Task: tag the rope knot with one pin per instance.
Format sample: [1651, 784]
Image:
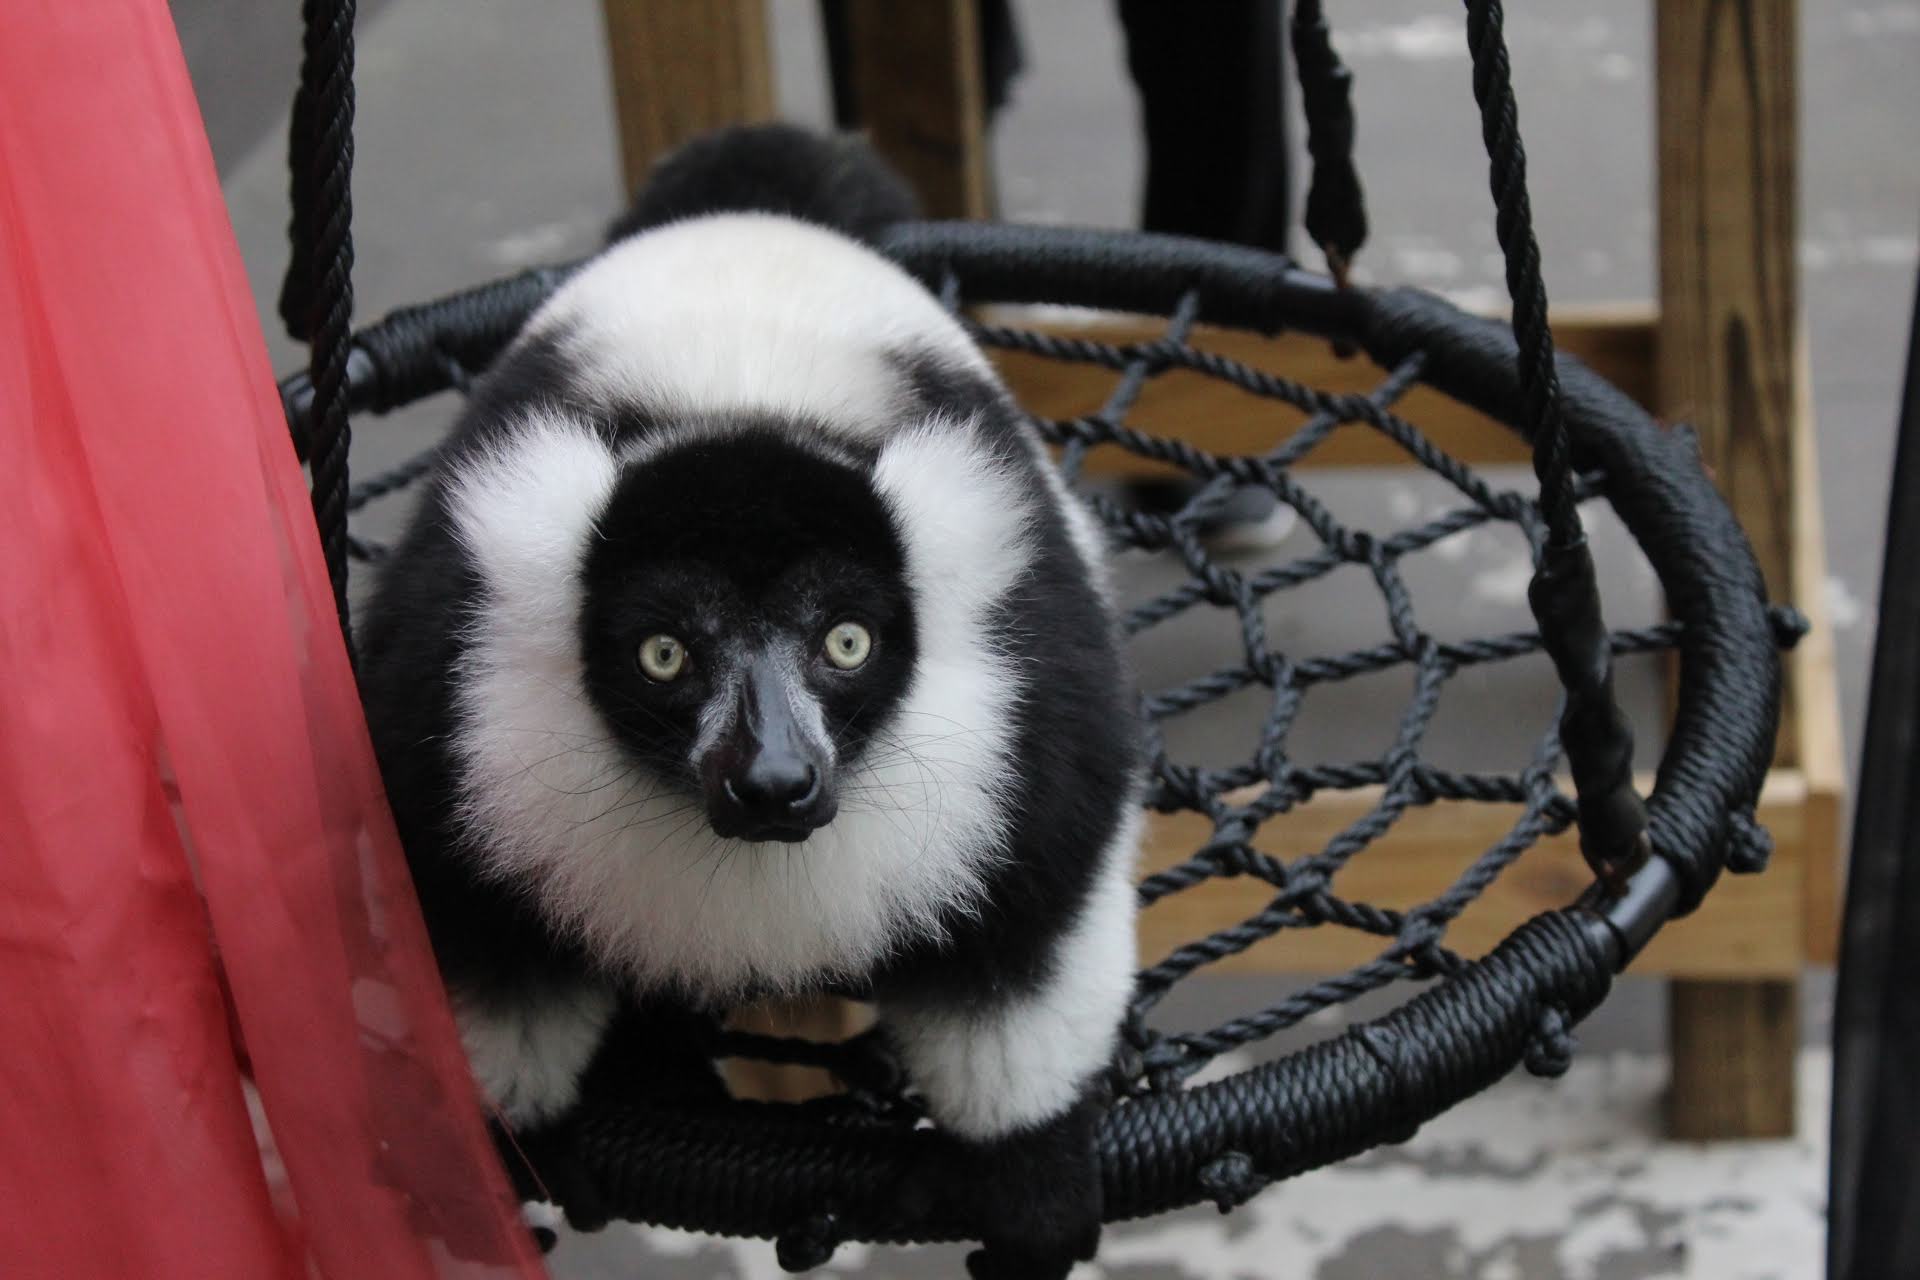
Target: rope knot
[1166, 1063]
[1550, 1052]
[809, 1244]
[1749, 847]
[1230, 1180]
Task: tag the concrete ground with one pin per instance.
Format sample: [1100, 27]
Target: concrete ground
[486, 143]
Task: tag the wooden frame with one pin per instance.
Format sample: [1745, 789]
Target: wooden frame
[1723, 350]
[1618, 341]
[1429, 846]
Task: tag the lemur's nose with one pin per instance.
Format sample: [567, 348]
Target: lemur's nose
[778, 796]
[776, 784]
[768, 780]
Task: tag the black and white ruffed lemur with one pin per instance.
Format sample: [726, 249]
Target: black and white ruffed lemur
[745, 641]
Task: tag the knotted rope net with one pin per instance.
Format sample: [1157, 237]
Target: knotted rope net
[1167, 1144]
[813, 1174]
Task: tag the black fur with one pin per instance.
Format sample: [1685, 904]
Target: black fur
[835, 182]
[685, 550]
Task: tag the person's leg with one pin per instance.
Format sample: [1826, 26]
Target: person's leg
[1212, 85]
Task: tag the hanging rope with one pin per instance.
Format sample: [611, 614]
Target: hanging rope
[1564, 594]
[1539, 382]
[1336, 215]
[316, 297]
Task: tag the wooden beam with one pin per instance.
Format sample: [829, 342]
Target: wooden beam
[1617, 341]
[681, 68]
[1749, 927]
[1729, 315]
[1813, 692]
[917, 80]
[1729, 277]
[1715, 1026]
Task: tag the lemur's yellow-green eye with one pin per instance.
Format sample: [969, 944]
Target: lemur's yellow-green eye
[848, 645]
[662, 658]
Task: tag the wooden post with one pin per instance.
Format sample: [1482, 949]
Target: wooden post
[1729, 295]
[917, 79]
[682, 67]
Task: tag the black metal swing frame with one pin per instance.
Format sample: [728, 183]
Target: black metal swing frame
[815, 1174]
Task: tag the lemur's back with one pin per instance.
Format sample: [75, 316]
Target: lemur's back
[769, 314]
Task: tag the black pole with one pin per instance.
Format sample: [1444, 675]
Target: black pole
[1874, 1177]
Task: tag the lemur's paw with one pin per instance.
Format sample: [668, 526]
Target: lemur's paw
[1041, 1194]
[1042, 1244]
[1031, 1259]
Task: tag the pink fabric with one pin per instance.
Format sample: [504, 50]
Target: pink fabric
[187, 794]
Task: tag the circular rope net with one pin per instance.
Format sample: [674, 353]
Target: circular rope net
[820, 1172]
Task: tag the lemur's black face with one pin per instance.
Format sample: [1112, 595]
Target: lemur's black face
[748, 626]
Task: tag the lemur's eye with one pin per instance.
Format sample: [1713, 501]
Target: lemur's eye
[662, 658]
[848, 645]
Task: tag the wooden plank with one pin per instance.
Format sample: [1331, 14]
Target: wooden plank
[1813, 703]
[917, 80]
[1729, 316]
[1749, 927]
[1618, 341]
[1716, 1024]
[682, 67]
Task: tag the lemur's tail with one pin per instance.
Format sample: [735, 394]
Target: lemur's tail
[833, 180]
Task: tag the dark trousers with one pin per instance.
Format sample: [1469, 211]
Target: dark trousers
[1212, 84]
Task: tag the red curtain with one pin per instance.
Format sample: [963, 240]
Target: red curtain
[195, 854]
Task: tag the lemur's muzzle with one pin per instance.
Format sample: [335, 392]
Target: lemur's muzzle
[767, 778]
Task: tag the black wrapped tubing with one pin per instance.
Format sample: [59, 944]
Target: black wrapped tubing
[765, 1169]
[817, 1174]
[407, 355]
[418, 351]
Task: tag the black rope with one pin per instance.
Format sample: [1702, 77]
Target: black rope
[1564, 594]
[1507, 169]
[316, 298]
[1336, 215]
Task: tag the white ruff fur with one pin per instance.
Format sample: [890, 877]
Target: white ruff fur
[990, 1073]
[632, 868]
[527, 1057]
[747, 312]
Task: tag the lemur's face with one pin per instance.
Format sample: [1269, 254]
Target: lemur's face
[748, 627]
